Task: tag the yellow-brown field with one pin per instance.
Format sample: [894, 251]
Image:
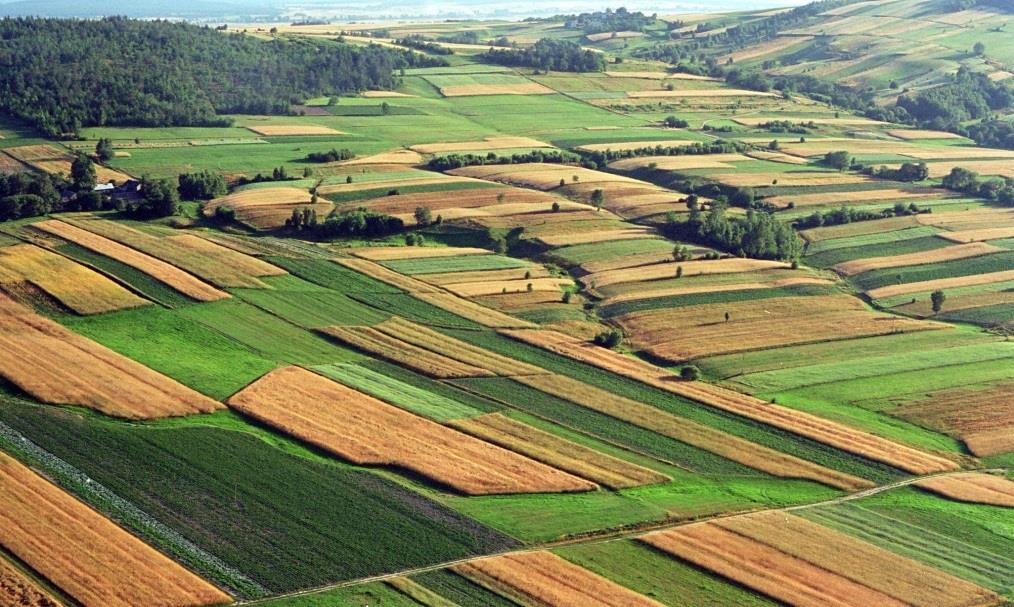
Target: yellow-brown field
[805, 178]
[542, 176]
[552, 450]
[393, 157]
[980, 235]
[498, 210]
[472, 311]
[473, 90]
[462, 199]
[492, 287]
[383, 345]
[968, 219]
[776, 157]
[267, 208]
[960, 251]
[939, 284]
[489, 143]
[81, 289]
[861, 228]
[804, 564]
[973, 487]
[709, 93]
[393, 253]
[545, 580]
[457, 278]
[659, 76]
[56, 366]
[611, 35]
[684, 430]
[383, 94]
[564, 239]
[50, 159]
[845, 198]
[679, 163]
[8, 164]
[285, 130]
[792, 420]
[916, 134]
[741, 286]
[690, 268]
[982, 417]
[18, 589]
[166, 273]
[85, 554]
[622, 146]
[366, 431]
[422, 179]
[764, 48]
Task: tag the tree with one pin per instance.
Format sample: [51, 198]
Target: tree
[838, 160]
[609, 339]
[681, 253]
[423, 216]
[82, 173]
[673, 122]
[202, 186]
[690, 373]
[937, 298]
[679, 271]
[159, 198]
[104, 150]
[556, 207]
[979, 49]
[597, 198]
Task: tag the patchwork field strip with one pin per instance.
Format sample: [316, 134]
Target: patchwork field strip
[804, 424]
[541, 176]
[800, 179]
[56, 366]
[926, 286]
[267, 208]
[565, 239]
[708, 93]
[383, 345]
[422, 179]
[973, 488]
[490, 143]
[461, 351]
[49, 159]
[622, 146]
[861, 228]
[286, 130]
[691, 290]
[392, 253]
[166, 273]
[462, 199]
[385, 275]
[542, 579]
[960, 251]
[519, 285]
[698, 435]
[406, 157]
[473, 90]
[979, 235]
[983, 418]
[472, 311]
[449, 279]
[679, 163]
[807, 565]
[366, 431]
[558, 452]
[85, 554]
[77, 287]
[839, 198]
[690, 268]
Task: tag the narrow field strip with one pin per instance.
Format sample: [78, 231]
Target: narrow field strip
[560, 453]
[17, 589]
[545, 580]
[973, 488]
[960, 251]
[386, 275]
[77, 287]
[366, 431]
[461, 351]
[57, 366]
[668, 270]
[472, 311]
[926, 286]
[166, 273]
[810, 426]
[692, 433]
[86, 555]
[982, 234]
[383, 345]
[379, 254]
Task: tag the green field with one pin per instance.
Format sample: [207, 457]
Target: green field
[463, 263]
[997, 262]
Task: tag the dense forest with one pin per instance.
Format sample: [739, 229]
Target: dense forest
[548, 54]
[61, 75]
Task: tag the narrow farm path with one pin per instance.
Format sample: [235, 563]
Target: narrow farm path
[614, 536]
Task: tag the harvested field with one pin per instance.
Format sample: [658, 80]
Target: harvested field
[776, 157]
[166, 273]
[520, 301]
[366, 431]
[85, 554]
[383, 345]
[979, 235]
[50, 159]
[970, 219]
[81, 289]
[393, 157]
[392, 253]
[627, 261]
[542, 176]
[692, 433]
[379, 272]
[860, 228]
[500, 210]
[490, 143]
[456, 349]
[798, 422]
[267, 208]
[457, 278]
[709, 93]
[546, 580]
[462, 199]
[840, 198]
[622, 146]
[973, 487]
[764, 48]
[742, 286]
[801, 179]
[564, 239]
[807, 565]
[9, 165]
[915, 134]
[422, 179]
[285, 130]
[612, 35]
[16, 588]
[472, 311]
[940, 284]
[1002, 168]
[983, 418]
[690, 268]
[557, 452]
[961, 251]
[679, 163]
[472, 90]
[221, 266]
[493, 287]
[56, 366]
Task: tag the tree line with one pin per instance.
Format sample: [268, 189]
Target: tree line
[61, 75]
[548, 55]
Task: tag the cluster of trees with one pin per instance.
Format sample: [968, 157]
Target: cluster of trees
[970, 96]
[845, 215]
[548, 54]
[202, 186]
[786, 126]
[28, 195]
[456, 161]
[992, 133]
[758, 235]
[620, 20]
[62, 75]
[906, 172]
[360, 223]
[159, 198]
[332, 155]
[420, 43]
[969, 182]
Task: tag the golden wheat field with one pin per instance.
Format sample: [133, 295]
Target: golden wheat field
[172, 276]
[86, 555]
[366, 431]
[960, 251]
[16, 588]
[973, 487]
[473, 90]
[982, 417]
[940, 283]
[288, 130]
[383, 345]
[690, 268]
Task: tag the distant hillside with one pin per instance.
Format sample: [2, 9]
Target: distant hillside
[189, 9]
